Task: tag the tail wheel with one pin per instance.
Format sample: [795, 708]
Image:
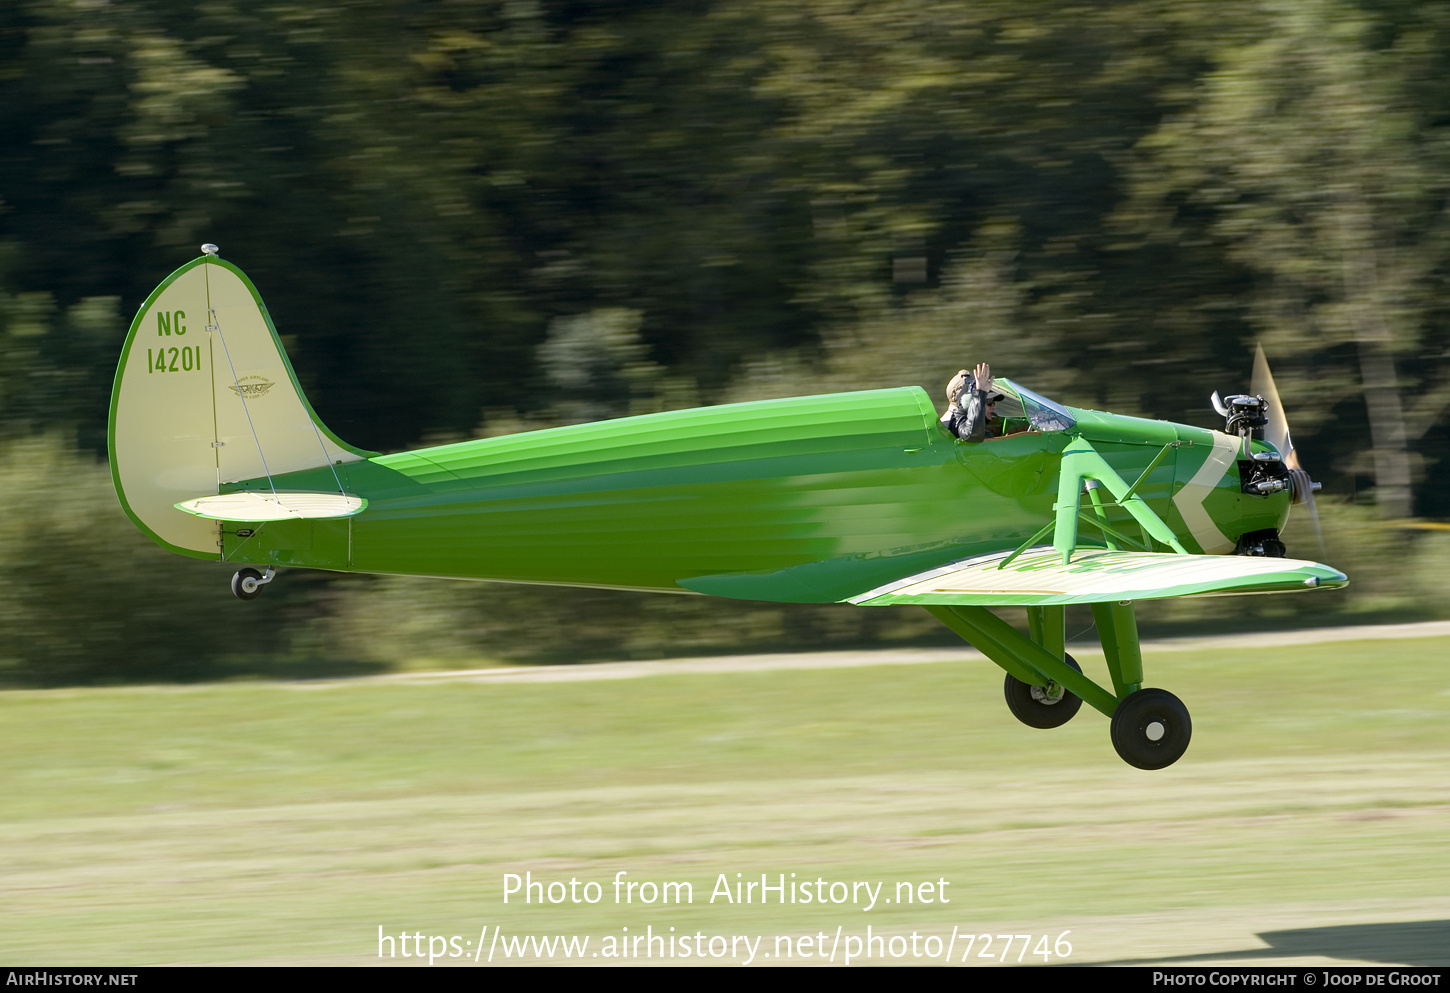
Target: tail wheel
[247, 584]
[1151, 729]
[1047, 706]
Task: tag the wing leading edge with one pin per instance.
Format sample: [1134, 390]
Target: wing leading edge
[1038, 577]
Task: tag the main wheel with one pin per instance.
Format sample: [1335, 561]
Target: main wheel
[1049, 706]
[1151, 729]
[247, 584]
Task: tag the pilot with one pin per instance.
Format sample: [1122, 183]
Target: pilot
[971, 405]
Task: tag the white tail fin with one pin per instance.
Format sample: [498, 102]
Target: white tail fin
[204, 395]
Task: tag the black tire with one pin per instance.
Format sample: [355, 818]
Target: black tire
[240, 577]
[1151, 729]
[1051, 706]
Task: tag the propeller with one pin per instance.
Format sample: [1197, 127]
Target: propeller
[1276, 433]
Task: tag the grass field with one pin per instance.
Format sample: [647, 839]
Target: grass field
[278, 823]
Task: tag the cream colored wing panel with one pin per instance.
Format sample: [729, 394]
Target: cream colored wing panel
[1038, 577]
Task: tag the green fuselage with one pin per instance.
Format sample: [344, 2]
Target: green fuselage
[811, 499]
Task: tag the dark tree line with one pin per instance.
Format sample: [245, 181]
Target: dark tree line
[474, 216]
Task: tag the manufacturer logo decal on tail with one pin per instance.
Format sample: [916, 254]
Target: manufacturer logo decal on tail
[252, 387]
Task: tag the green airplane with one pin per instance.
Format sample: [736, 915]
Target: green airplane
[862, 498]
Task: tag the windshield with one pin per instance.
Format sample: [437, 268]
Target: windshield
[1040, 412]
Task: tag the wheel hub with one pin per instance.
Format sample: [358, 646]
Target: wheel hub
[1048, 706]
[1049, 694]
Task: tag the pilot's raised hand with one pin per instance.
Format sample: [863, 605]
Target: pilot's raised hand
[983, 376]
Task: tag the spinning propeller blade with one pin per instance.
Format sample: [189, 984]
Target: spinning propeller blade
[1276, 433]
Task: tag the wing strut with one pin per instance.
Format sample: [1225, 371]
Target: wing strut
[1080, 462]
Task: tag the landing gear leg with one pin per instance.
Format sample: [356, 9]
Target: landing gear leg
[1150, 728]
[1048, 627]
[247, 583]
[1118, 631]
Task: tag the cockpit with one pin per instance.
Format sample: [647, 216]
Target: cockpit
[1021, 410]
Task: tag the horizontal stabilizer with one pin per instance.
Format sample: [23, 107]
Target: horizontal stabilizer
[251, 506]
[1038, 577]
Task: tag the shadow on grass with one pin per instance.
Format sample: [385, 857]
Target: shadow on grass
[1408, 943]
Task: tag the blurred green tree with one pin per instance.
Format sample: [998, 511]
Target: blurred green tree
[1316, 152]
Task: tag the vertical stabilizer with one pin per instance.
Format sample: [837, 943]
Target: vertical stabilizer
[204, 395]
